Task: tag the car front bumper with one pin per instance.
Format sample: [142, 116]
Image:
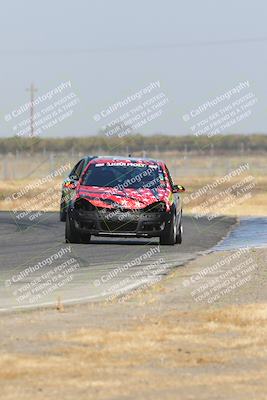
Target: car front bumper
[120, 223]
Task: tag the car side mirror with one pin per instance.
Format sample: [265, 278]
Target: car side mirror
[178, 188]
[74, 177]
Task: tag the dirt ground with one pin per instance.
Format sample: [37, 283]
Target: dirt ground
[169, 342]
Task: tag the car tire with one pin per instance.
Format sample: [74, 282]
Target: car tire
[72, 235]
[84, 238]
[63, 212]
[179, 237]
[169, 234]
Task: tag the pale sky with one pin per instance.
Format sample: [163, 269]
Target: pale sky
[111, 49]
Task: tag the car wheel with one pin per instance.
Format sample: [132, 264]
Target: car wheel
[71, 233]
[63, 212]
[84, 238]
[169, 234]
[179, 237]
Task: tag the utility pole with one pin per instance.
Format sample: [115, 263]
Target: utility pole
[32, 89]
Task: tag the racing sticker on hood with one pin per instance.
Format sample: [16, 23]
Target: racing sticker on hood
[128, 198]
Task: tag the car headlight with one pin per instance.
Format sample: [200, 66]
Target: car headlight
[156, 207]
[83, 205]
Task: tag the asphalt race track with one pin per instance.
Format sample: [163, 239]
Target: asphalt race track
[38, 268]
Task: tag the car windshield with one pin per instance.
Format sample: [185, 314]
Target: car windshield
[124, 175]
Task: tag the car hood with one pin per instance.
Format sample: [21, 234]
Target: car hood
[125, 198]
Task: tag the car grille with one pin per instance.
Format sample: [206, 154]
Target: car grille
[118, 226]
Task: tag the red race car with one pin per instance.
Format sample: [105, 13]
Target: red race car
[125, 197]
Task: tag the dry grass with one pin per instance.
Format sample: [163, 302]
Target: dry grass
[192, 171]
[199, 354]
[45, 197]
[255, 205]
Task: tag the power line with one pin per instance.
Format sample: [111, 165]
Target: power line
[148, 47]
